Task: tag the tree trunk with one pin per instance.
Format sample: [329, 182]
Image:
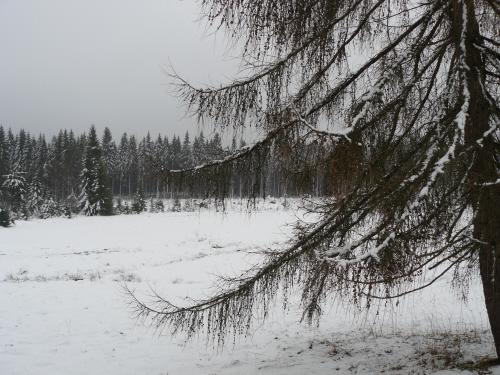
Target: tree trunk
[486, 205]
[485, 198]
[486, 229]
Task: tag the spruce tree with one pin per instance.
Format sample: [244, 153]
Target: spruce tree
[109, 155]
[15, 192]
[123, 163]
[139, 201]
[4, 155]
[186, 154]
[96, 197]
[199, 152]
[133, 164]
[35, 198]
[176, 149]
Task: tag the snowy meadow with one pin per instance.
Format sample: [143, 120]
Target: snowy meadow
[63, 310]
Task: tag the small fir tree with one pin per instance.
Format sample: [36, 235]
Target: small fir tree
[35, 198]
[157, 205]
[14, 188]
[119, 206]
[176, 207]
[50, 208]
[139, 202]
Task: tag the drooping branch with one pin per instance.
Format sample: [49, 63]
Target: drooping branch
[331, 96]
[404, 144]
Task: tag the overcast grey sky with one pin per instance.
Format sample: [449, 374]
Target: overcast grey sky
[67, 64]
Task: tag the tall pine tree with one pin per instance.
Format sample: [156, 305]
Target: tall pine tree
[96, 197]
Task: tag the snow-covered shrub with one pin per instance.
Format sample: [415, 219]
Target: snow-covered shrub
[188, 205]
[50, 208]
[139, 202]
[66, 211]
[176, 207]
[119, 209]
[156, 205]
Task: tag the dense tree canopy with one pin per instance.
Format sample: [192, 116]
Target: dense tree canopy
[397, 102]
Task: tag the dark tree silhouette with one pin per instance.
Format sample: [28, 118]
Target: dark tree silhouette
[398, 103]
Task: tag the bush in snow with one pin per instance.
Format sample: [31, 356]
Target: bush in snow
[126, 209]
[156, 205]
[188, 205]
[119, 206]
[176, 207]
[5, 219]
[139, 202]
[50, 208]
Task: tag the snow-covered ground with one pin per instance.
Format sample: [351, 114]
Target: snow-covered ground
[62, 310]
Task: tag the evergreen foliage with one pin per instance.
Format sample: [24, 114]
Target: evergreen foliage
[393, 106]
[139, 203]
[176, 206]
[5, 219]
[15, 192]
[35, 198]
[126, 208]
[186, 159]
[119, 208]
[52, 170]
[4, 155]
[96, 197]
[51, 208]
[156, 205]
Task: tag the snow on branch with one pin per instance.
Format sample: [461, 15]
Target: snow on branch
[491, 183]
[377, 87]
[236, 155]
[371, 253]
[341, 250]
[333, 254]
[335, 134]
[461, 117]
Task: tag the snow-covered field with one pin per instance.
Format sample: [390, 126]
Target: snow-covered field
[62, 310]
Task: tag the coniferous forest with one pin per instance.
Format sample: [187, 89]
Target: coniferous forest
[96, 174]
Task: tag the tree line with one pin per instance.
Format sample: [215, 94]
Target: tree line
[44, 178]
